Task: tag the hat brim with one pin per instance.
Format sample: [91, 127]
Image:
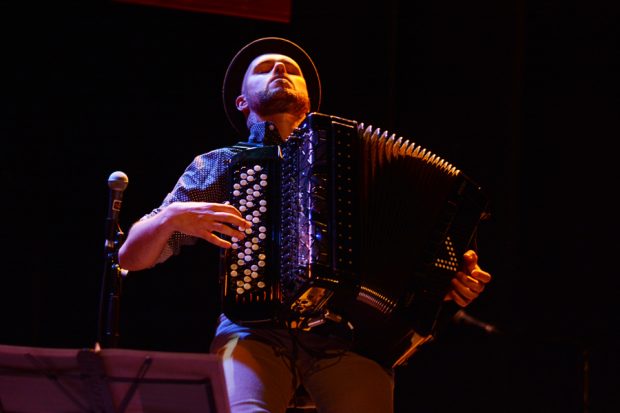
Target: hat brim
[233, 78]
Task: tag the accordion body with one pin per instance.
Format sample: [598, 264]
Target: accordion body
[352, 227]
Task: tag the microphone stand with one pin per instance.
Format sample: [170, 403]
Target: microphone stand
[111, 288]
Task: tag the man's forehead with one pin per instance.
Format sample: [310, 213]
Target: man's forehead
[272, 57]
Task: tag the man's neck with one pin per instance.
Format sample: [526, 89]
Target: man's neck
[285, 122]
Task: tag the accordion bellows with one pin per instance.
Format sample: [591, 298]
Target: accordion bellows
[353, 227]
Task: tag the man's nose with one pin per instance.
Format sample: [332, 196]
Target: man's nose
[279, 67]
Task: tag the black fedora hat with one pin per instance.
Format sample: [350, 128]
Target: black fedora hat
[233, 78]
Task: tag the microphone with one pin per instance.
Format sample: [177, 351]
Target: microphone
[463, 318]
[117, 182]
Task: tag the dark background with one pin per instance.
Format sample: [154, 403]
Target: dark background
[523, 96]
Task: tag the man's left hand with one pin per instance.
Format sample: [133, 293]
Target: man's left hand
[469, 282]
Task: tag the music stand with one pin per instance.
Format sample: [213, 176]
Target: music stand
[35, 380]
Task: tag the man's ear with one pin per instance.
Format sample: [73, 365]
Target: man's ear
[241, 103]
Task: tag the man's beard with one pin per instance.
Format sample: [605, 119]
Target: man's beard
[281, 101]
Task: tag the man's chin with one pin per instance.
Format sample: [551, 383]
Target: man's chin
[282, 101]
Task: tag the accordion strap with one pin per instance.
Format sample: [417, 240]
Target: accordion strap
[242, 146]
